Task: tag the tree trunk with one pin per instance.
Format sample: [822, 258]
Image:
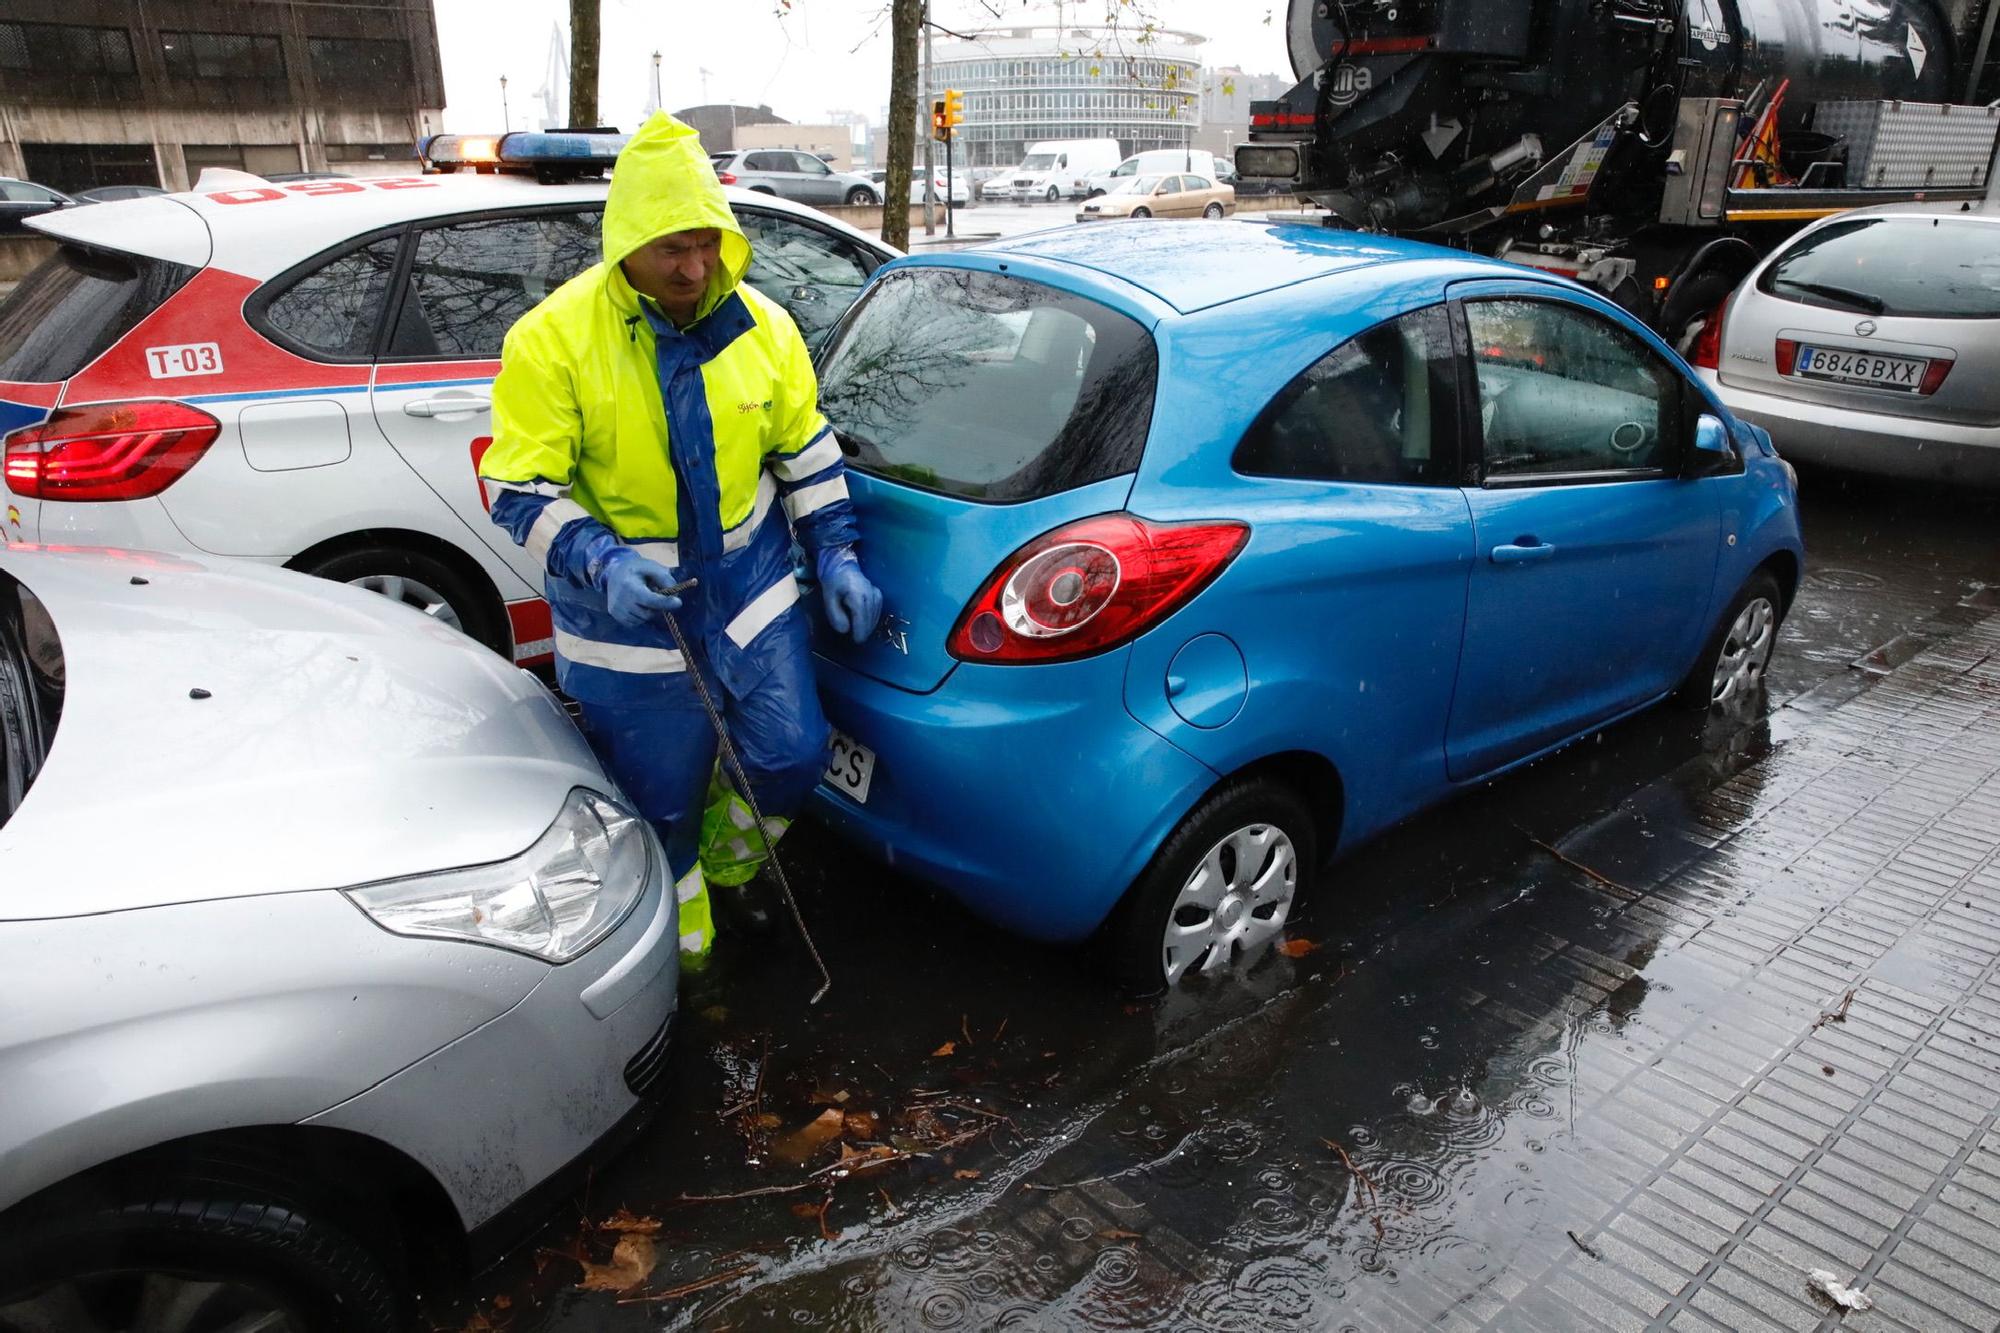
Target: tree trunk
[906, 25]
[584, 42]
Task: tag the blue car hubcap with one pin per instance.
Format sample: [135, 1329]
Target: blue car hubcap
[1234, 902]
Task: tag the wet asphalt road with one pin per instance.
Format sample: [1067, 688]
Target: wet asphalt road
[1339, 1142]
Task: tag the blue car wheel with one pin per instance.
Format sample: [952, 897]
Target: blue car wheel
[1733, 663]
[1219, 891]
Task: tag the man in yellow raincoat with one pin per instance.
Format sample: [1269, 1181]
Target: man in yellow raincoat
[649, 419]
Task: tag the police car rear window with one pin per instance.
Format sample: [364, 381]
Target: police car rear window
[75, 305]
[333, 307]
[988, 387]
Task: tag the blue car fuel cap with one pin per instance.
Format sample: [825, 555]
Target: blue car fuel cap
[1207, 682]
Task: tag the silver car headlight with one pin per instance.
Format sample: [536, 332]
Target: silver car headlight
[564, 894]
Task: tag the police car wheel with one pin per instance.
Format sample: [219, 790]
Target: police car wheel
[423, 583]
[1219, 891]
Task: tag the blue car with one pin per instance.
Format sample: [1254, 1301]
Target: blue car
[1210, 551]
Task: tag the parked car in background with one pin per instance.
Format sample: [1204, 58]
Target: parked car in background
[1169, 621]
[302, 374]
[793, 175]
[1872, 341]
[1152, 162]
[995, 183]
[1160, 197]
[21, 200]
[104, 194]
[958, 190]
[1059, 168]
[377, 953]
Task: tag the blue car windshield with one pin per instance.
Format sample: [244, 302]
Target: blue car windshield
[988, 387]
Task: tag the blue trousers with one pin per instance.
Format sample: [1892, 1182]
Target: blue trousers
[663, 755]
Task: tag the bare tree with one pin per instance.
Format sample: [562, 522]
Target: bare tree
[585, 39]
[906, 18]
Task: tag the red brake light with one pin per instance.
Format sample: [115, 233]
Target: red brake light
[1787, 355]
[108, 451]
[1934, 376]
[1707, 352]
[726, 177]
[1090, 586]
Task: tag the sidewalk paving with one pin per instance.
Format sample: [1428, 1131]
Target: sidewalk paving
[1826, 1097]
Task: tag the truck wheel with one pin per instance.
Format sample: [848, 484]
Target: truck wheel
[1689, 311]
[1219, 889]
[191, 1254]
[1054, 194]
[423, 583]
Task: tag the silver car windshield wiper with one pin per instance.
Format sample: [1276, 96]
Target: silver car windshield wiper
[1846, 296]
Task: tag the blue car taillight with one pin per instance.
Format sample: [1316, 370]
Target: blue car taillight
[1090, 586]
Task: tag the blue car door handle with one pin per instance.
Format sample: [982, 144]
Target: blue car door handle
[1522, 551]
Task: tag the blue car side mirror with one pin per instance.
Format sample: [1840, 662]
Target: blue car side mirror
[1711, 436]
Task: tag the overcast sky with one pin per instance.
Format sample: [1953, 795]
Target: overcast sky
[826, 55]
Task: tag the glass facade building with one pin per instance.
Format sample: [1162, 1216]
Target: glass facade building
[1023, 85]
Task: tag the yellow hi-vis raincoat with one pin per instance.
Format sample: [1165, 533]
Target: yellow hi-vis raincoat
[614, 428]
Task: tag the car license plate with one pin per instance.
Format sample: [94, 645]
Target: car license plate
[1870, 368]
[852, 768]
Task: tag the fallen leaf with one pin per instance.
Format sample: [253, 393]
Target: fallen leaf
[965, 1173]
[632, 1261]
[862, 1124]
[503, 1302]
[860, 1159]
[1297, 948]
[626, 1221]
[821, 1097]
[769, 1120]
[715, 1013]
[805, 1210]
[946, 1049]
[803, 1142]
[1114, 1233]
[1827, 1070]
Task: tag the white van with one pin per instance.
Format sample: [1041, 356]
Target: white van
[1155, 162]
[1060, 167]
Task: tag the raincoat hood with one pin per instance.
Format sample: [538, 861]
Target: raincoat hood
[663, 183]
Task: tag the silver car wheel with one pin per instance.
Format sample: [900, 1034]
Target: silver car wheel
[1212, 211]
[412, 593]
[159, 1302]
[1236, 899]
[1746, 651]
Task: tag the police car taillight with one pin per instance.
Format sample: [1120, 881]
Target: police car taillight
[544, 153]
[108, 451]
[1091, 586]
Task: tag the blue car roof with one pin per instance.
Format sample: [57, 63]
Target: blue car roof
[1195, 265]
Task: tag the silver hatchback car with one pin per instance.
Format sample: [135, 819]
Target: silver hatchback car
[793, 175]
[1872, 341]
[329, 948]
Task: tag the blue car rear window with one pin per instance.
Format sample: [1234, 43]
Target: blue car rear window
[989, 387]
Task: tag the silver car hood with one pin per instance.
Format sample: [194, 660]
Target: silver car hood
[341, 739]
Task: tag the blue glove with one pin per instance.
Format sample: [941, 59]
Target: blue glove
[853, 604]
[635, 589]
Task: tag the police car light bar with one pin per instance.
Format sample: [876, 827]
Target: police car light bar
[567, 152]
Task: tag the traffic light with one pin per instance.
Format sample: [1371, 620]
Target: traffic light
[954, 110]
[940, 127]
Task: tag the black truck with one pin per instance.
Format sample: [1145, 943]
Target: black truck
[1655, 149]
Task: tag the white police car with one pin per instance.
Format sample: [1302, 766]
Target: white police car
[302, 373]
